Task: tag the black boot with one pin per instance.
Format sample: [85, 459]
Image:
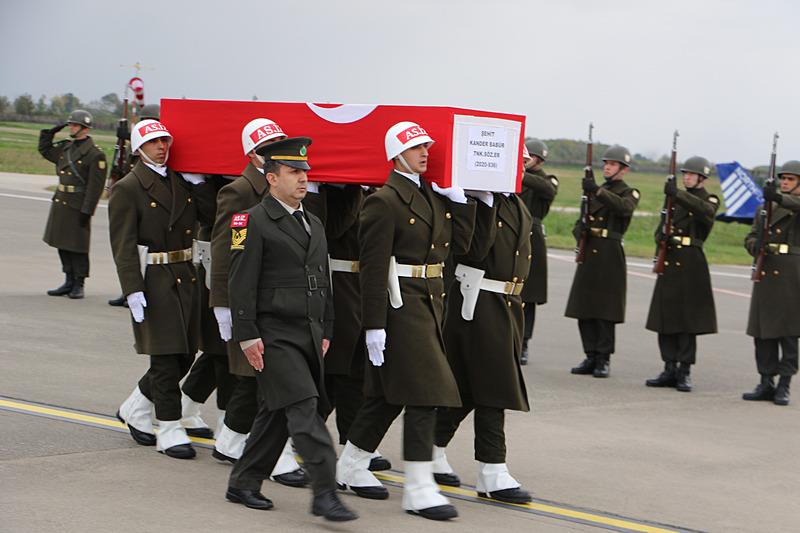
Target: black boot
[602, 366]
[782, 391]
[523, 359]
[329, 506]
[684, 383]
[65, 287]
[667, 378]
[118, 302]
[586, 367]
[764, 391]
[77, 290]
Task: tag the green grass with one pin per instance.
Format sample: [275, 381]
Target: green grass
[723, 246]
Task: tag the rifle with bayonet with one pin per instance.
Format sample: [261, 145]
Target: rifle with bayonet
[766, 218]
[666, 212]
[586, 198]
[119, 166]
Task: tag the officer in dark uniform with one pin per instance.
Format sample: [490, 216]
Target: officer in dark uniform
[597, 296]
[683, 303]
[283, 319]
[81, 171]
[775, 329]
[539, 189]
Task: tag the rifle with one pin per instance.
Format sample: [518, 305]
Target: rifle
[766, 219]
[580, 249]
[120, 150]
[666, 213]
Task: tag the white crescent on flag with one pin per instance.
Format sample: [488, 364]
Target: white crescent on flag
[343, 113]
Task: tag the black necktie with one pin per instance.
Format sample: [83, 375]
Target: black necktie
[298, 215]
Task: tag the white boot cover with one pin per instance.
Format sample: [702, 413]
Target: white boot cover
[229, 442]
[420, 491]
[440, 464]
[137, 411]
[493, 477]
[190, 413]
[170, 433]
[352, 468]
[286, 462]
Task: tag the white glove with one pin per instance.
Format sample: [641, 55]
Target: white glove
[137, 303]
[376, 343]
[312, 186]
[484, 196]
[454, 193]
[194, 179]
[223, 316]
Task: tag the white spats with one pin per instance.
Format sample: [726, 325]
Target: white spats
[137, 411]
[440, 464]
[230, 443]
[190, 414]
[493, 477]
[420, 491]
[286, 462]
[170, 433]
[352, 468]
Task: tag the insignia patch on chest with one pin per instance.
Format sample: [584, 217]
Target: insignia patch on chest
[240, 220]
[237, 238]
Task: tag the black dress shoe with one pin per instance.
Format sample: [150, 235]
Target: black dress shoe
[378, 492]
[523, 359]
[296, 478]
[450, 480]
[440, 512]
[602, 368]
[782, 391]
[145, 439]
[379, 464]
[118, 302]
[249, 498]
[180, 451]
[64, 288]
[515, 495]
[329, 506]
[764, 391]
[76, 293]
[667, 378]
[200, 433]
[219, 456]
[586, 367]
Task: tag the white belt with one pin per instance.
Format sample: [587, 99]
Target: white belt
[501, 287]
[420, 271]
[343, 265]
[164, 258]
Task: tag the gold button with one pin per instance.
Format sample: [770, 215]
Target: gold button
[55, 200]
[594, 251]
[509, 303]
[531, 234]
[591, 217]
[448, 216]
[179, 281]
[523, 305]
[600, 218]
[516, 253]
[515, 279]
[153, 204]
[188, 200]
[778, 231]
[443, 294]
[679, 247]
[763, 273]
[530, 257]
[680, 231]
[433, 246]
[677, 263]
[499, 223]
[62, 172]
[666, 263]
[691, 214]
[446, 244]
[194, 279]
[431, 296]
[412, 220]
[775, 272]
[188, 232]
[79, 161]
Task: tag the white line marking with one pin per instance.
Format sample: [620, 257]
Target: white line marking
[39, 198]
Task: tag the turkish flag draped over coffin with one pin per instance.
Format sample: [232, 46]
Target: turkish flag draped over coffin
[473, 149]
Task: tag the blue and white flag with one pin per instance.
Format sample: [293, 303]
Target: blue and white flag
[741, 193]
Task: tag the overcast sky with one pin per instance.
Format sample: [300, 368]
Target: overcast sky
[725, 73]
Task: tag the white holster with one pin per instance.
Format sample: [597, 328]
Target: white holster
[143, 250]
[201, 255]
[470, 283]
[395, 298]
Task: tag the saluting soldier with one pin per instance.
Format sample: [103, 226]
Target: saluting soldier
[282, 313]
[683, 304]
[81, 171]
[597, 296]
[408, 228]
[153, 214]
[774, 328]
[483, 335]
[539, 189]
[241, 194]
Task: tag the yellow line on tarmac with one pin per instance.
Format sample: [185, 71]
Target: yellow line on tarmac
[552, 510]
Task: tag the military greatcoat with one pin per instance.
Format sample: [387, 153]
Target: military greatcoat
[599, 286]
[538, 191]
[81, 171]
[417, 227]
[210, 341]
[682, 299]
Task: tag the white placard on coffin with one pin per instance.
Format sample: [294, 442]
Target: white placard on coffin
[485, 153]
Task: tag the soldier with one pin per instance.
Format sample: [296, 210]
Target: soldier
[538, 191]
[81, 171]
[153, 214]
[283, 320]
[241, 194]
[773, 328]
[483, 337]
[407, 230]
[597, 296]
[683, 304]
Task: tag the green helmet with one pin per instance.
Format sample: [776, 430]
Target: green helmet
[790, 167]
[537, 148]
[618, 153]
[697, 165]
[80, 117]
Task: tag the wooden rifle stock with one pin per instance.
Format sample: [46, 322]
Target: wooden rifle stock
[766, 219]
[580, 249]
[659, 261]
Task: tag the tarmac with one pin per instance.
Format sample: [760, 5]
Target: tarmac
[596, 453]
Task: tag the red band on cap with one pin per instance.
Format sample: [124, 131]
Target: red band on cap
[240, 220]
[152, 128]
[411, 133]
[265, 131]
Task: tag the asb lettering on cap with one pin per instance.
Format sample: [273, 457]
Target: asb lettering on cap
[402, 136]
[411, 133]
[260, 130]
[147, 130]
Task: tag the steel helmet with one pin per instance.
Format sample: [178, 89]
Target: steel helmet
[81, 118]
[147, 130]
[537, 148]
[258, 131]
[697, 165]
[618, 153]
[790, 167]
[402, 136]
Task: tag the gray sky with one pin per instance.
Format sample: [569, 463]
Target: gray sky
[724, 73]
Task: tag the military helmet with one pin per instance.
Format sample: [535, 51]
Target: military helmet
[697, 165]
[618, 153]
[790, 167]
[80, 117]
[537, 148]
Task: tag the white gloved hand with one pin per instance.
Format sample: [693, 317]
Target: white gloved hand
[137, 303]
[376, 343]
[194, 179]
[484, 196]
[454, 193]
[224, 321]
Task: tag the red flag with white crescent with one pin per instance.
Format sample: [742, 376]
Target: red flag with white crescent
[137, 86]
